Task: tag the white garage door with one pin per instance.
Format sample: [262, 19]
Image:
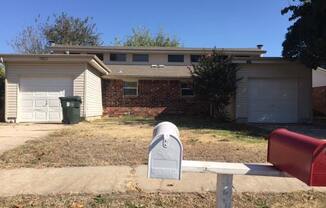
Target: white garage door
[273, 101]
[39, 98]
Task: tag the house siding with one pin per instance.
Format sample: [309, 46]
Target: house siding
[155, 97]
[296, 71]
[319, 100]
[93, 93]
[15, 71]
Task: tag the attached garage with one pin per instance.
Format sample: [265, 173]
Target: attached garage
[39, 98]
[34, 84]
[273, 100]
[272, 90]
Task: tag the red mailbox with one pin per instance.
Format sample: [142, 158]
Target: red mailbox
[299, 155]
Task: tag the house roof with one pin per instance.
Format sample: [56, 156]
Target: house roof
[57, 58]
[148, 71]
[184, 50]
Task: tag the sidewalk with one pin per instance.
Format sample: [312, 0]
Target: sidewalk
[110, 179]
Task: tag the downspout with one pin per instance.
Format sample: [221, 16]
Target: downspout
[5, 89]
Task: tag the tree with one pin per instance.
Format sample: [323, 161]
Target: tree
[66, 30]
[215, 80]
[306, 38]
[142, 37]
[31, 40]
[69, 30]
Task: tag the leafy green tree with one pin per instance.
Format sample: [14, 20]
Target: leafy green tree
[65, 29]
[142, 37]
[306, 38]
[215, 80]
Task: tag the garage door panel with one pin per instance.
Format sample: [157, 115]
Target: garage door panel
[39, 94]
[39, 98]
[55, 94]
[54, 102]
[54, 115]
[40, 115]
[27, 103]
[272, 101]
[27, 115]
[40, 103]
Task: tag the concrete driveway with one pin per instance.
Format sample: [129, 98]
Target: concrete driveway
[316, 129]
[13, 135]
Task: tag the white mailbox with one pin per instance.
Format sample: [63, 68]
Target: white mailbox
[165, 152]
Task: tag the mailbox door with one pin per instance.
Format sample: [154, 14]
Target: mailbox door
[165, 158]
[318, 177]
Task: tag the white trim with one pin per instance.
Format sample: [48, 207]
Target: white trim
[123, 88]
[84, 94]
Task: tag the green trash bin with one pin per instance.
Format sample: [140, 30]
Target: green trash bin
[70, 109]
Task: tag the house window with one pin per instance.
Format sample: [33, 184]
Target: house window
[130, 88]
[140, 57]
[175, 58]
[118, 57]
[187, 89]
[195, 58]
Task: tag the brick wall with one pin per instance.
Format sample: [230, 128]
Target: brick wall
[319, 99]
[155, 97]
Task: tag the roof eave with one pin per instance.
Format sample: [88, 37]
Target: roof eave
[95, 49]
[144, 77]
[57, 58]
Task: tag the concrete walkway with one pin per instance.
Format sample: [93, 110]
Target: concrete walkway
[13, 135]
[123, 178]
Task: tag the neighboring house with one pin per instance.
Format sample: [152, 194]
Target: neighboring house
[154, 81]
[319, 91]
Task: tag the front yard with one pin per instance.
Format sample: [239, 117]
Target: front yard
[124, 141]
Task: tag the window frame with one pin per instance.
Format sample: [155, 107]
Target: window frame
[124, 87]
[183, 58]
[125, 55]
[191, 55]
[187, 88]
[142, 54]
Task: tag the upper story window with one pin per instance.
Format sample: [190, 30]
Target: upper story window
[187, 88]
[118, 57]
[130, 88]
[176, 58]
[140, 57]
[195, 58]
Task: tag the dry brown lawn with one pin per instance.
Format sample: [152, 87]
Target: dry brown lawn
[155, 200]
[124, 141]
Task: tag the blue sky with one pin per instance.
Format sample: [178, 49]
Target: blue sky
[205, 23]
